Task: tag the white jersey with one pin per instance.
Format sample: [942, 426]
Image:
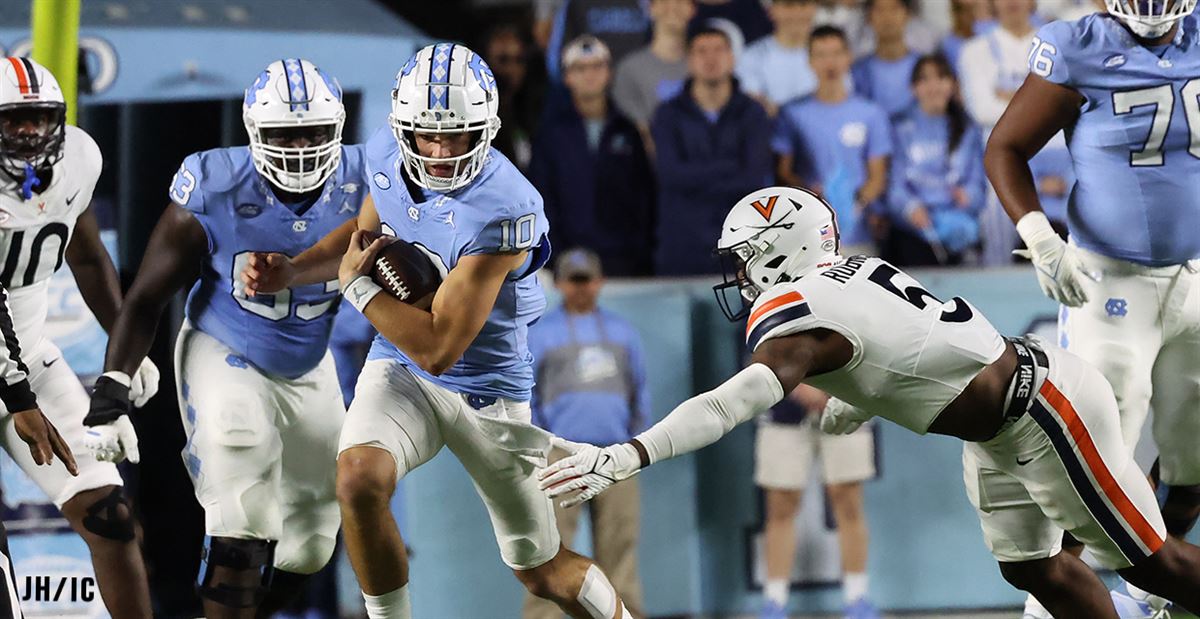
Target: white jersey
[913, 354]
[34, 233]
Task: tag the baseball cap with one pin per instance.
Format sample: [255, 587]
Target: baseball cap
[584, 47]
[578, 263]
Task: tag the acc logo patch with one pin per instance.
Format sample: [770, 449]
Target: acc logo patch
[381, 180]
[1116, 307]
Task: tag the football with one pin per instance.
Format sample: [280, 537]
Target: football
[406, 272]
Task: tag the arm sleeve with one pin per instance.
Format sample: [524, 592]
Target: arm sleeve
[701, 420]
[15, 391]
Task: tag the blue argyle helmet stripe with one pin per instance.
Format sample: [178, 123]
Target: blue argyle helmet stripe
[439, 76]
[298, 96]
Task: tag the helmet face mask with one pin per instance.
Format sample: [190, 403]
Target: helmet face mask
[31, 135]
[444, 89]
[294, 117]
[1150, 19]
[734, 269]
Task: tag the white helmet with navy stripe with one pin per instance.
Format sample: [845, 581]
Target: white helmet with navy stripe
[1150, 19]
[445, 88]
[32, 102]
[773, 235]
[294, 115]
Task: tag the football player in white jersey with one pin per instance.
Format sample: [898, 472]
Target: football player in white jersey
[48, 171]
[1044, 451]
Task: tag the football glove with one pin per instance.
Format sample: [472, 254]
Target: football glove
[839, 417]
[144, 384]
[109, 433]
[1060, 271]
[588, 469]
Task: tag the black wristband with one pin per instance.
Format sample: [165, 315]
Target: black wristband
[18, 397]
[110, 400]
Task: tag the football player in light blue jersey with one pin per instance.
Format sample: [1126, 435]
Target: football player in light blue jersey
[258, 391]
[457, 373]
[1125, 86]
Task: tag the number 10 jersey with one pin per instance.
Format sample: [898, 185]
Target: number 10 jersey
[285, 334]
[913, 354]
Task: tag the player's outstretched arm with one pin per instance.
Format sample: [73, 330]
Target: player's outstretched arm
[272, 272]
[437, 338]
[776, 368]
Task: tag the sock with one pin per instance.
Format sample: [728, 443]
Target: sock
[776, 591]
[854, 586]
[391, 605]
[1034, 608]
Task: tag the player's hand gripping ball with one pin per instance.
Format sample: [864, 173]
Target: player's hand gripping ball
[404, 270]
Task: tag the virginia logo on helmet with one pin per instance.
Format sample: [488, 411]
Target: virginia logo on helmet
[793, 242]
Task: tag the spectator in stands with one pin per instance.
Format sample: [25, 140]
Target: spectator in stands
[919, 35]
[995, 66]
[748, 16]
[964, 25]
[591, 168]
[883, 76]
[621, 24]
[522, 91]
[657, 71]
[845, 15]
[789, 442]
[591, 388]
[937, 184]
[775, 69]
[837, 144]
[712, 148]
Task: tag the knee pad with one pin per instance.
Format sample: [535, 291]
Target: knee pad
[305, 554]
[254, 556]
[111, 517]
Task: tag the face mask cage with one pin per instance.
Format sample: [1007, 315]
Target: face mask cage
[1150, 18]
[39, 151]
[737, 293]
[465, 167]
[296, 169]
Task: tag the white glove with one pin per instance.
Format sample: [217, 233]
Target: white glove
[589, 470]
[1059, 270]
[113, 442]
[839, 417]
[144, 384]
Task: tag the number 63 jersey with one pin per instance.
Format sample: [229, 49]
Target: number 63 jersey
[913, 354]
[1136, 143]
[34, 233]
[285, 334]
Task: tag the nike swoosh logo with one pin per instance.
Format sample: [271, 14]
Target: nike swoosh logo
[1023, 462]
[72, 198]
[47, 364]
[607, 458]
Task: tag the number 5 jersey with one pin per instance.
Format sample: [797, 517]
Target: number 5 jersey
[285, 334]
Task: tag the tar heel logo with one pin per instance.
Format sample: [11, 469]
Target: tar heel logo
[248, 211]
[414, 214]
[299, 225]
[1114, 61]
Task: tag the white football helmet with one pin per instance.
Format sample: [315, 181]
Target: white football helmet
[1150, 19]
[34, 118]
[293, 98]
[773, 235]
[445, 88]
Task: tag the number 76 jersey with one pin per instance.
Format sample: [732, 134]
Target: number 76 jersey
[1136, 144]
[913, 353]
[285, 334]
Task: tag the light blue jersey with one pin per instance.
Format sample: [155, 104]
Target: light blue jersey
[886, 82]
[778, 73]
[498, 212]
[1136, 144]
[285, 334]
[832, 143]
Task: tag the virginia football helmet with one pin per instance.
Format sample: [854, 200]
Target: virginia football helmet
[1150, 19]
[773, 235]
[292, 100]
[445, 88]
[33, 118]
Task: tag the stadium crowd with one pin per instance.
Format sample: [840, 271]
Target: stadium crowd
[649, 118]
